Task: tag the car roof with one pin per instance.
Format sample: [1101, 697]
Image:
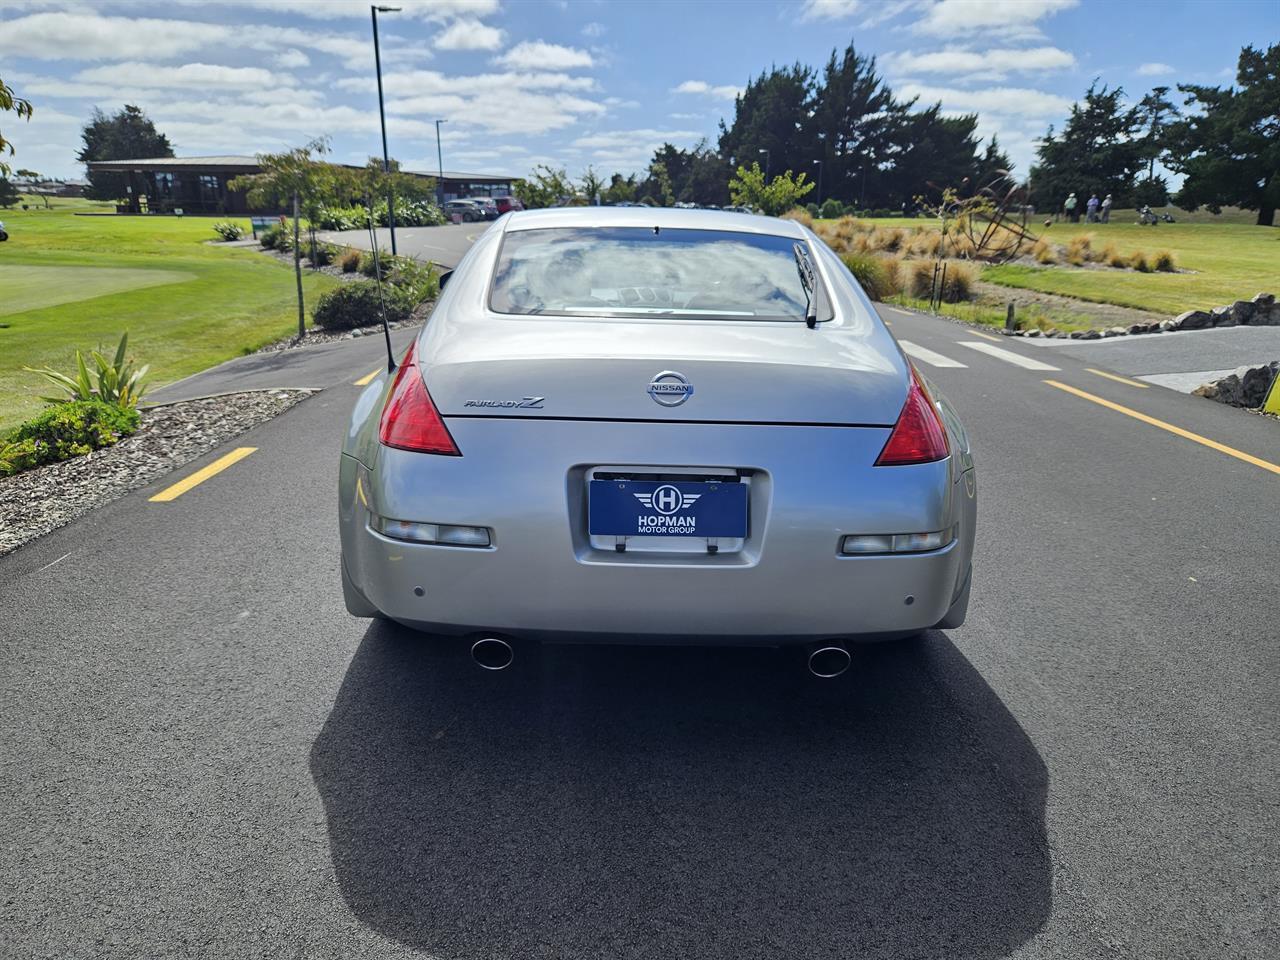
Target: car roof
[668, 217]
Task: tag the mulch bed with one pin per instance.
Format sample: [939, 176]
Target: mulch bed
[39, 501]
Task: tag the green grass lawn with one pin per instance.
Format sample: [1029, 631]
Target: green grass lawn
[69, 281]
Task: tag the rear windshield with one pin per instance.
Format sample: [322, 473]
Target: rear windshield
[645, 271]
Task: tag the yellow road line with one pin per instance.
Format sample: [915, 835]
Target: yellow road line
[1118, 379]
[368, 378]
[201, 475]
[1195, 437]
[987, 335]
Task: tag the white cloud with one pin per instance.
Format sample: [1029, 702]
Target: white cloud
[987, 64]
[195, 76]
[419, 82]
[631, 150]
[540, 55]
[725, 92]
[292, 59]
[468, 34]
[359, 9]
[87, 36]
[829, 9]
[1003, 17]
[1154, 70]
[594, 30]
[1006, 101]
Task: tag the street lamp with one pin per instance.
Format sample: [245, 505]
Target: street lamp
[382, 115]
[819, 163]
[440, 161]
[765, 151]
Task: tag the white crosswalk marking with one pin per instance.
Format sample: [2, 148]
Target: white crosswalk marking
[927, 355]
[1008, 356]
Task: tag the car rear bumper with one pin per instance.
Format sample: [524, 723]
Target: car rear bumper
[542, 579]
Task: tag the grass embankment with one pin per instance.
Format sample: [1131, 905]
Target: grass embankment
[81, 281]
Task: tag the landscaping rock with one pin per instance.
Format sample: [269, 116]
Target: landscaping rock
[1136, 328]
[1191, 320]
[1076, 334]
[1264, 299]
[1116, 332]
[1090, 335]
[1034, 332]
[1052, 333]
[1167, 326]
[1246, 387]
[1242, 311]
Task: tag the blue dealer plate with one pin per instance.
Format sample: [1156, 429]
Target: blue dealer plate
[646, 508]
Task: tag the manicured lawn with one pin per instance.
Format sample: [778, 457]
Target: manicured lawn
[82, 281]
[1225, 262]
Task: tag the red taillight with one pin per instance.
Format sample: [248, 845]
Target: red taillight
[410, 420]
[918, 436]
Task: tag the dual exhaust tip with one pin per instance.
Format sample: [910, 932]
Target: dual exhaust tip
[826, 661]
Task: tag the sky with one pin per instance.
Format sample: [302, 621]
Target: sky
[571, 83]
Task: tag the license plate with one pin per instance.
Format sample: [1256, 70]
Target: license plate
[667, 508]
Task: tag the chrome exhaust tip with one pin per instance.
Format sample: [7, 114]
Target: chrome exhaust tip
[491, 653]
[829, 660]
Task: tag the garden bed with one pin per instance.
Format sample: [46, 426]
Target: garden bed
[39, 501]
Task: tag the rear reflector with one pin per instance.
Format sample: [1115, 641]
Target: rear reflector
[918, 436]
[410, 420]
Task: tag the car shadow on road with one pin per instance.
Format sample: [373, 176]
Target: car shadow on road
[602, 802]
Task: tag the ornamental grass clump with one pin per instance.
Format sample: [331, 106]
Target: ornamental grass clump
[1044, 252]
[117, 381]
[1138, 261]
[873, 274]
[1164, 261]
[1079, 250]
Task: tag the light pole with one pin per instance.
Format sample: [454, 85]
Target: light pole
[819, 163]
[767, 157]
[382, 115]
[440, 161]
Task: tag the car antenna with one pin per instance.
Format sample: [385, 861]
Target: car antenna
[377, 275]
[804, 267]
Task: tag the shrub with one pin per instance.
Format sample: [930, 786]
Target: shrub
[872, 274]
[813, 209]
[958, 283]
[118, 382]
[322, 254]
[832, 209]
[359, 304]
[1138, 261]
[1114, 257]
[926, 243]
[1164, 261]
[349, 260]
[1044, 252]
[271, 236]
[1079, 249]
[385, 261]
[886, 238]
[228, 230]
[416, 282]
[915, 277]
[63, 431]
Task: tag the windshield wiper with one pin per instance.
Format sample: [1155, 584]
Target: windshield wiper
[804, 267]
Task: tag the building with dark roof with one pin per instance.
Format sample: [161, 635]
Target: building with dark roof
[200, 184]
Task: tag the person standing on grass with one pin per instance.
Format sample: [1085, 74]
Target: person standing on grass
[1106, 209]
[1092, 206]
[1069, 209]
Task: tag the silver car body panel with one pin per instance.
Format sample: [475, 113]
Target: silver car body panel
[803, 413]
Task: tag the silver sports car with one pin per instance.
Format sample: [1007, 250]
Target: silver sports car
[655, 425]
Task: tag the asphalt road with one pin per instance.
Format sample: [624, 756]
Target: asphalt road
[204, 755]
[442, 245]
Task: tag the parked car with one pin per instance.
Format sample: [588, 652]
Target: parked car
[488, 208]
[467, 210]
[507, 204]
[656, 425]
